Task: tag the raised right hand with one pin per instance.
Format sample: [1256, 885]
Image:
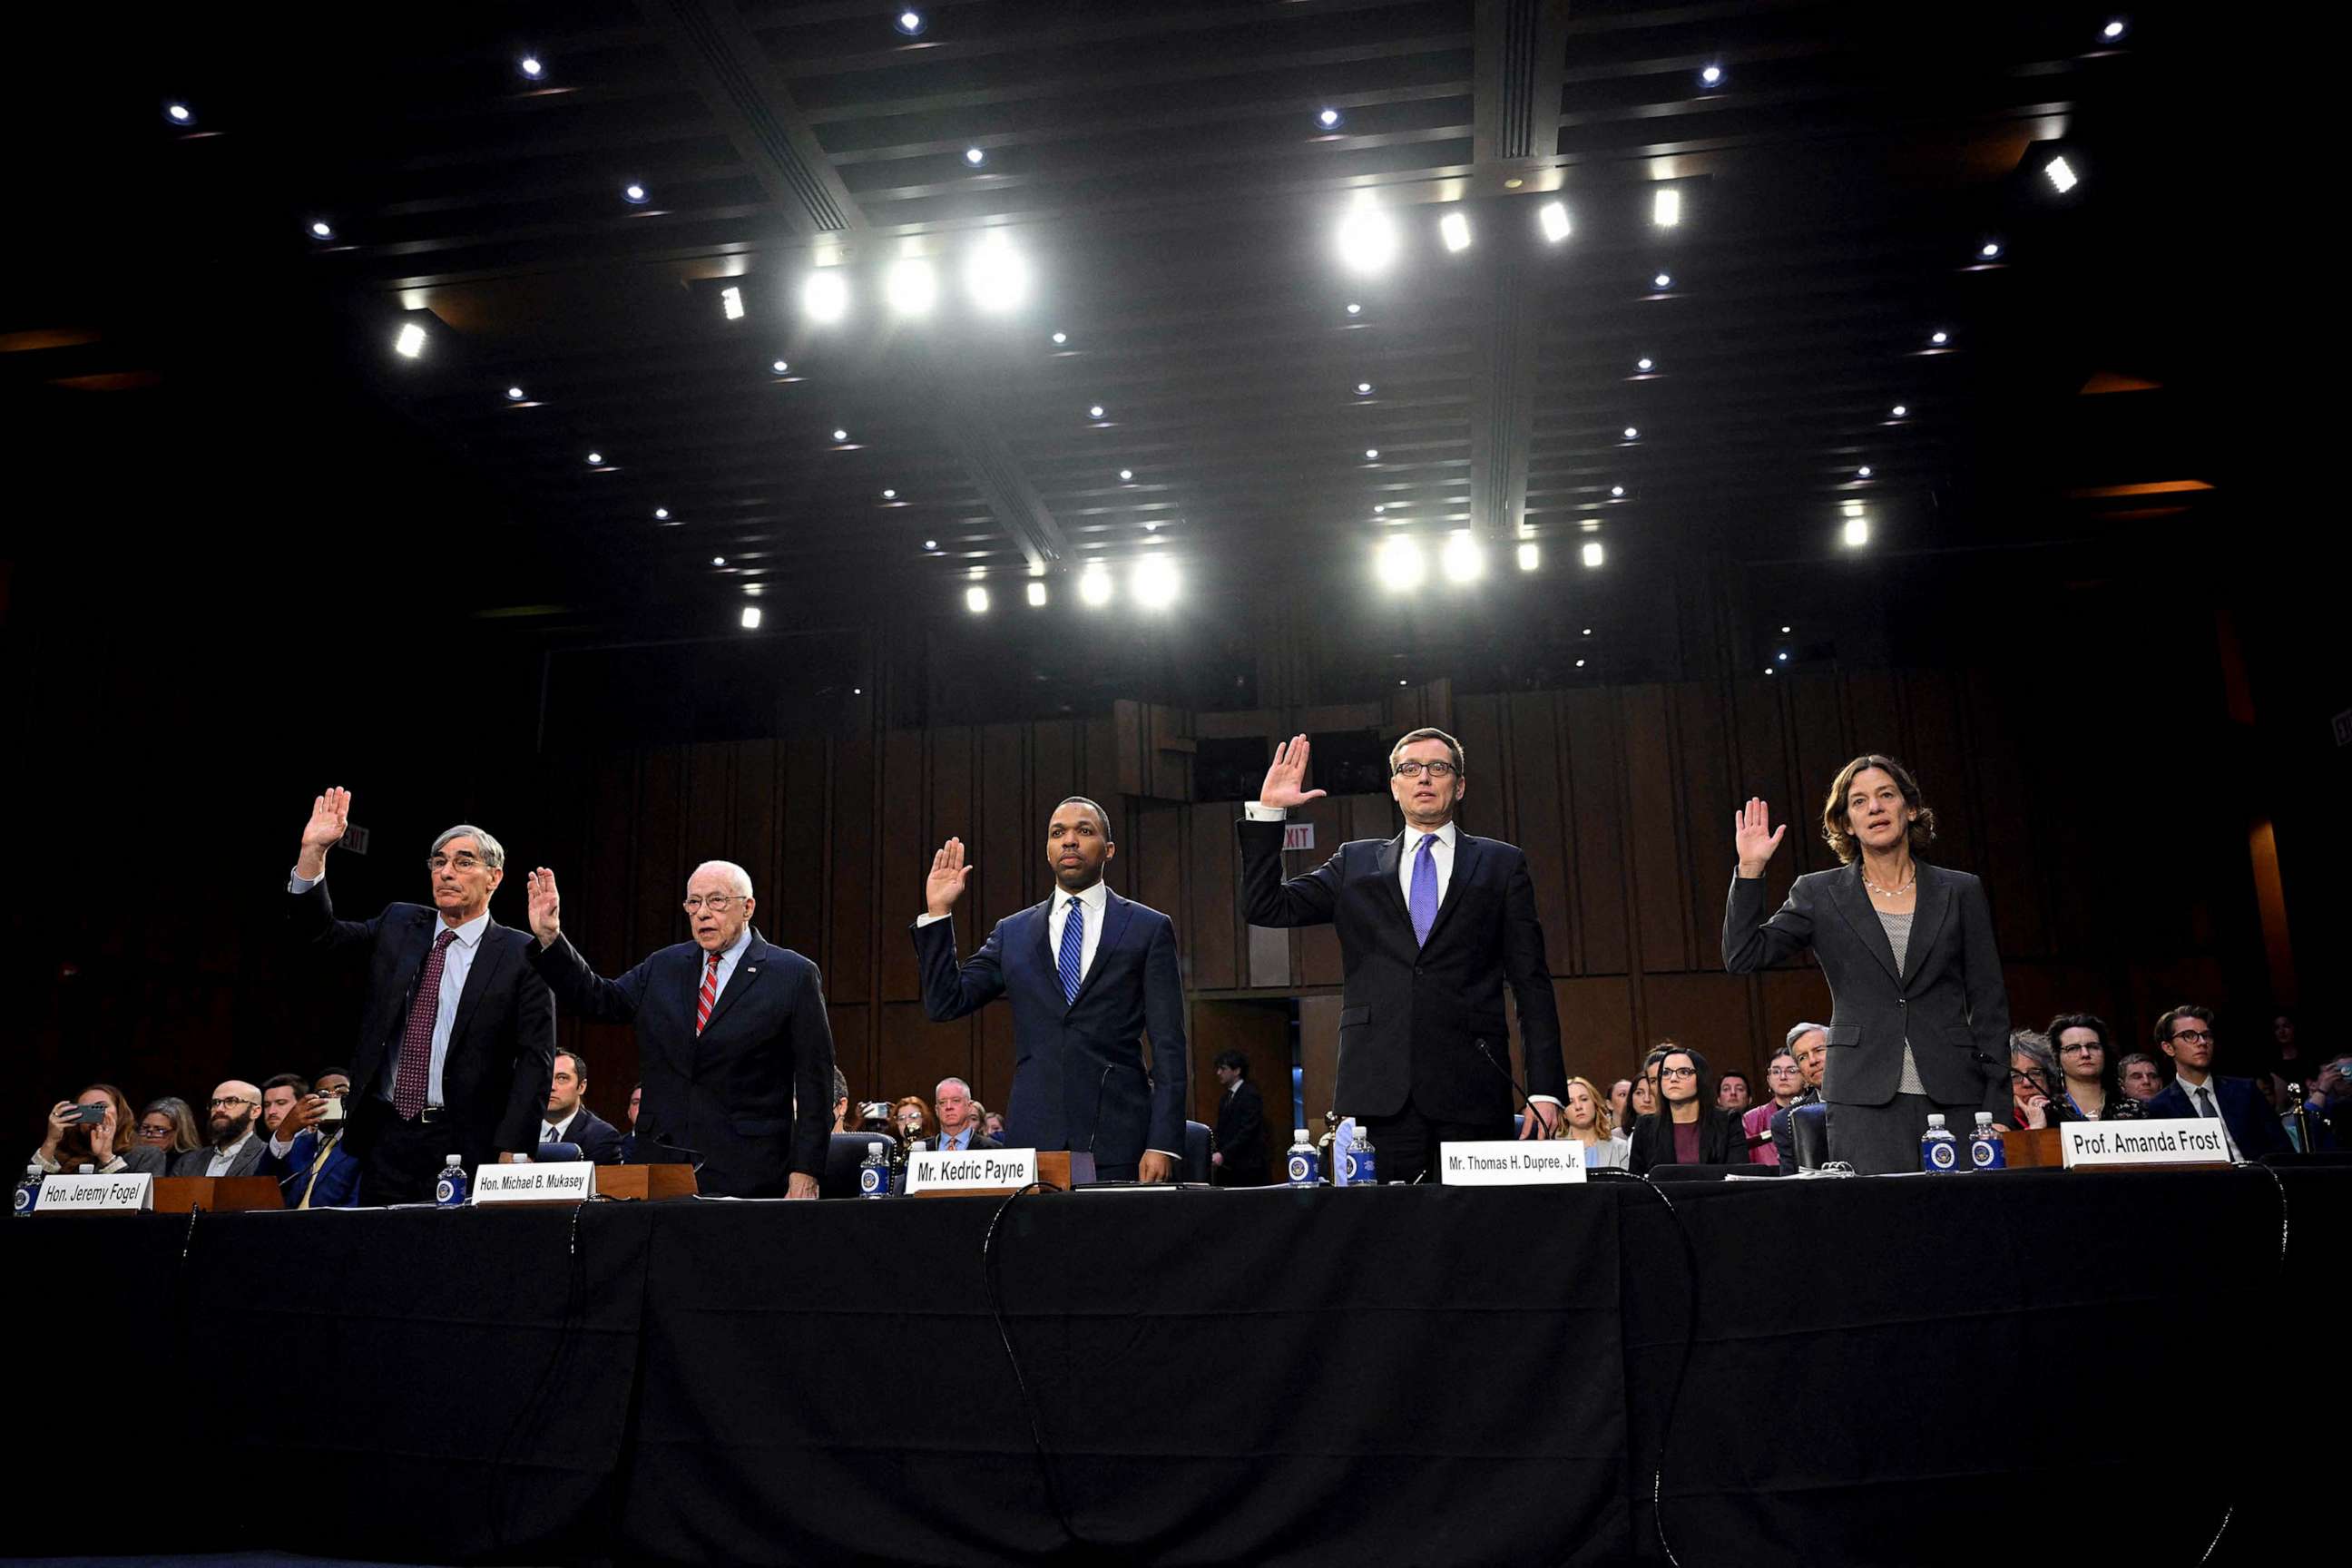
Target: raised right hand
[331, 817]
[546, 907]
[950, 877]
[1754, 838]
[1284, 780]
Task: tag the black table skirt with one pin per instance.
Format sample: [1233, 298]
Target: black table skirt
[1893, 1370]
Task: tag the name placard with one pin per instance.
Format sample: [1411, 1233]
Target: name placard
[1510, 1162]
[2170, 1141]
[568, 1182]
[972, 1170]
[78, 1194]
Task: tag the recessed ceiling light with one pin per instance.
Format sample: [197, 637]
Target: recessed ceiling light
[975, 599]
[1153, 582]
[1940, 338]
[779, 366]
[1663, 280]
[718, 561]
[321, 229]
[1988, 249]
[661, 514]
[750, 617]
[1591, 553]
[1363, 389]
[824, 296]
[1617, 492]
[1644, 363]
[1863, 472]
[731, 302]
[1125, 476]
[1786, 630]
[1094, 411]
[2113, 30]
[1061, 337]
[2061, 175]
[1857, 531]
[1782, 657]
[840, 434]
[1367, 238]
[1094, 584]
[635, 195]
[595, 459]
[1371, 453]
[931, 544]
[1632, 434]
[909, 22]
[514, 394]
[1037, 596]
[1455, 229]
[1461, 558]
[1152, 527]
[1552, 219]
[1587, 631]
[890, 495]
[1710, 76]
[410, 342]
[1379, 507]
[1666, 209]
[995, 275]
[911, 286]
[532, 67]
[1354, 308]
[179, 114]
[1580, 663]
[975, 156]
[1329, 120]
[1531, 556]
[1901, 411]
[1400, 562]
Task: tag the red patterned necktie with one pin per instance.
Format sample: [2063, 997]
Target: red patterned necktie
[710, 993]
[416, 1037]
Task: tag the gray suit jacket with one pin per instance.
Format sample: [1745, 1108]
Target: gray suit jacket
[1949, 1001]
[196, 1162]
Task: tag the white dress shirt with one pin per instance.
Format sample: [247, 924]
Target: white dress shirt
[1093, 900]
[728, 956]
[2215, 1095]
[456, 964]
[224, 1158]
[558, 1132]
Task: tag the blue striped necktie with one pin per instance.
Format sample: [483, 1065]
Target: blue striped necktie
[1073, 947]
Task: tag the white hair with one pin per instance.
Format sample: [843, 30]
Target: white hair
[739, 880]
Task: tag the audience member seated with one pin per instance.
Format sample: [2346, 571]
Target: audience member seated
[1732, 1092]
[1692, 1130]
[1786, 1083]
[957, 1129]
[874, 1116]
[169, 1127]
[2140, 1077]
[568, 1118]
[1584, 1118]
[107, 1145]
[1810, 1044]
[314, 1170]
[2033, 1079]
[2092, 1093]
[2188, 1036]
[1641, 1100]
[2325, 1113]
[1620, 1105]
[636, 1097]
[994, 1125]
[912, 1119]
[277, 1097]
[236, 1145]
[841, 1103]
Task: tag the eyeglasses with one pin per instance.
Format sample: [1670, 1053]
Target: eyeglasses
[717, 903]
[157, 1134]
[1782, 1069]
[1679, 1072]
[1414, 770]
[2087, 1047]
[227, 1099]
[465, 860]
[2194, 1036]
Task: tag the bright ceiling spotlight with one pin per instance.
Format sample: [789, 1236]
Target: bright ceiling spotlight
[1461, 558]
[532, 67]
[840, 434]
[1531, 556]
[825, 297]
[1379, 507]
[718, 561]
[1094, 585]
[1552, 219]
[1354, 308]
[595, 459]
[1037, 595]
[911, 286]
[321, 229]
[1371, 454]
[731, 302]
[890, 495]
[2113, 30]
[1125, 476]
[661, 514]
[1633, 433]
[1988, 249]
[1368, 238]
[1662, 281]
[750, 617]
[410, 342]
[1710, 76]
[1863, 472]
[1666, 209]
[931, 544]
[997, 277]
[179, 114]
[1940, 338]
[1645, 364]
[779, 366]
[1617, 492]
[635, 193]
[975, 599]
[1400, 562]
[1329, 120]
[1901, 411]
[975, 156]
[1363, 389]
[1061, 337]
[2061, 175]
[1857, 531]
[910, 22]
[1094, 411]
[1592, 553]
[1153, 582]
[1455, 229]
[514, 394]
[1783, 657]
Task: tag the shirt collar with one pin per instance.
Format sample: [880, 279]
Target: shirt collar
[564, 1126]
[1446, 837]
[470, 933]
[734, 949]
[1095, 899]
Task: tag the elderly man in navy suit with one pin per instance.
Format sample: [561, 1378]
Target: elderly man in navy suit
[2185, 1035]
[1089, 975]
[732, 1037]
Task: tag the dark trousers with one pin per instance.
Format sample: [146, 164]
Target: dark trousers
[1882, 1140]
[403, 1159]
[1405, 1145]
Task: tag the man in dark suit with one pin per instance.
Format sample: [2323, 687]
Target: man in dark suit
[1240, 1157]
[456, 1033]
[1090, 973]
[732, 1037]
[959, 1121]
[2185, 1035]
[568, 1119]
[306, 1152]
[1433, 926]
[238, 1141]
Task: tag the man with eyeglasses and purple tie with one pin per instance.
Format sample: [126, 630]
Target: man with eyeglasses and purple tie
[2185, 1035]
[456, 1033]
[1434, 927]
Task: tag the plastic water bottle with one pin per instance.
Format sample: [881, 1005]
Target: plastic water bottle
[1939, 1151]
[1305, 1167]
[27, 1191]
[1987, 1151]
[449, 1192]
[1357, 1159]
[874, 1172]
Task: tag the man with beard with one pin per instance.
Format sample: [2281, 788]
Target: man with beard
[234, 1150]
[1089, 975]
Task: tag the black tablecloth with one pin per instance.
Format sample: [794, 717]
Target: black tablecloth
[1891, 1370]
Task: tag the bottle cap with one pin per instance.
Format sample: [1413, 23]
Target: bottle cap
[1984, 1118]
[85, 1170]
[455, 1159]
[33, 1169]
[1935, 1118]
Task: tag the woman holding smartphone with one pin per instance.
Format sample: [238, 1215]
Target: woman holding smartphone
[94, 1128]
[1921, 1019]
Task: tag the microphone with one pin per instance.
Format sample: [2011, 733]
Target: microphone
[1527, 1106]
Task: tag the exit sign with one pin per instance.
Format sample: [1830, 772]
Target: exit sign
[1298, 836]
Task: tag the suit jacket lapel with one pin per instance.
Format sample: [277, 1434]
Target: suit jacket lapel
[1393, 856]
[1934, 902]
[1045, 953]
[747, 972]
[488, 958]
[1465, 862]
[1846, 893]
[1116, 912]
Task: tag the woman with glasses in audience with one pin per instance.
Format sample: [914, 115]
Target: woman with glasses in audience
[1691, 1128]
[169, 1126]
[2090, 1089]
[1786, 1083]
[107, 1141]
[1585, 1119]
[2034, 1079]
[912, 1118]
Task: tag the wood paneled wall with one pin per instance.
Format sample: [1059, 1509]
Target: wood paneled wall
[1622, 797]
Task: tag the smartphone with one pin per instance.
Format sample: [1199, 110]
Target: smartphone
[90, 1115]
[330, 1113]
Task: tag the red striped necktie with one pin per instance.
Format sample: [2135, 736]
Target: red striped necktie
[710, 993]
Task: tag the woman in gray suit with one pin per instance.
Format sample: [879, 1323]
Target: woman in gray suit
[1921, 1022]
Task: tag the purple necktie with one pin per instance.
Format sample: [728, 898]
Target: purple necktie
[1424, 889]
[415, 1068]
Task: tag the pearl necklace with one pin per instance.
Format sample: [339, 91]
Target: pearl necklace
[1879, 892]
